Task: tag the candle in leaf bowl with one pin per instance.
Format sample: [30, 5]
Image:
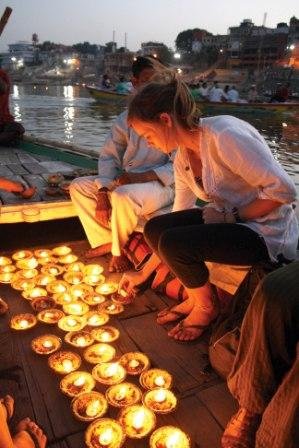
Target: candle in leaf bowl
[77, 266]
[46, 260]
[77, 383]
[50, 316]
[43, 253]
[96, 319]
[94, 280]
[77, 308]
[169, 437]
[80, 291]
[46, 344]
[6, 277]
[93, 269]
[161, 401]
[137, 420]
[23, 321]
[104, 433]
[61, 250]
[107, 289]
[68, 259]
[27, 263]
[22, 254]
[59, 286]
[110, 307]
[64, 362]
[62, 298]
[79, 338]
[52, 269]
[4, 261]
[109, 373]
[26, 274]
[123, 394]
[74, 278]
[22, 284]
[7, 268]
[93, 299]
[30, 294]
[72, 323]
[99, 353]
[153, 378]
[89, 405]
[44, 279]
[134, 362]
[42, 303]
[105, 334]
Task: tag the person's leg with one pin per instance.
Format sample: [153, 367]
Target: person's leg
[185, 249]
[29, 435]
[5, 436]
[280, 422]
[267, 349]
[129, 202]
[83, 193]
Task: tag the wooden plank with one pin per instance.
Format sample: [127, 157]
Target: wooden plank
[8, 157]
[24, 157]
[10, 198]
[220, 402]
[17, 168]
[39, 182]
[34, 168]
[56, 166]
[5, 171]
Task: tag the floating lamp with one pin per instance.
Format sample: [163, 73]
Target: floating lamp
[50, 316]
[107, 289]
[77, 266]
[68, 259]
[79, 338]
[124, 394]
[21, 255]
[58, 286]
[30, 294]
[105, 334]
[42, 303]
[43, 253]
[27, 263]
[89, 405]
[71, 323]
[169, 437]
[4, 261]
[96, 319]
[44, 279]
[22, 284]
[99, 353]
[93, 269]
[134, 362]
[77, 383]
[161, 401]
[137, 420]
[52, 269]
[153, 378]
[23, 321]
[76, 308]
[110, 307]
[93, 299]
[46, 344]
[104, 433]
[61, 250]
[64, 362]
[74, 278]
[109, 373]
[80, 291]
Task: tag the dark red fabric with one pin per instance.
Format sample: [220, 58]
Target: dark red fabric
[5, 115]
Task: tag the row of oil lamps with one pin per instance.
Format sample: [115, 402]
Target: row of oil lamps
[75, 293]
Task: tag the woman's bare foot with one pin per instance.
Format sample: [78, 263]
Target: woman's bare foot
[193, 326]
[7, 403]
[172, 314]
[29, 435]
[119, 264]
[98, 251]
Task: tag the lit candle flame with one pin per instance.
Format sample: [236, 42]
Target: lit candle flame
[48, 315]
[81, 341]
[121, 393]
[79, 381]
[47, 343]
[67, 365]
[111, 307]
[159, 381]
[106, 437]
[93, 320]
[138, 419]
[93, 408]
[111, 370]
[105, 336]
[23, 323]
[71, 322]
[173, 441]
[133, 363]
[160, 396]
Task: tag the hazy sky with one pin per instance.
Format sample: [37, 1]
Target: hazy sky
[72, 21]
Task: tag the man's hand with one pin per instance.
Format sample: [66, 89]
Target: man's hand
[103, 208]
[136, 178]
[212, 216]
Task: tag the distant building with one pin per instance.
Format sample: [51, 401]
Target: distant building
[151, 48]
[116, 64]
[22, 51]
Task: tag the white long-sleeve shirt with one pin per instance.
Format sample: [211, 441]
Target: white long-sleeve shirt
[125, 151]
[237, 168]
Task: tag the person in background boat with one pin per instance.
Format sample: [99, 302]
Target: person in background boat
[225, 93]
[252, 94]
[28, 434]
[135, 180]
[106, 83]
[17, 188]
[224, 161]
[122, 86]
[233, 95]
[264, 377]
[11, 132]
[204, 91]
[282, 93]
[216, 94]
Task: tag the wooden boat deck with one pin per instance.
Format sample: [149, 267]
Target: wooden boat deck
[205, 404]
[31, 164]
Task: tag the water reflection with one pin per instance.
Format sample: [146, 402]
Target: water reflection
[69, 114]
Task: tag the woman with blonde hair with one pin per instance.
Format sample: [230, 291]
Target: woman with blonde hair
[226, 162]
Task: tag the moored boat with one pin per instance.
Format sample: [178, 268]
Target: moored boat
[106, 96]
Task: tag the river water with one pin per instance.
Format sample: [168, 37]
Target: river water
[68, 114]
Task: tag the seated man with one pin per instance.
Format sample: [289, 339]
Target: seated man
[10, 131]
[264, 377]
[134, 180]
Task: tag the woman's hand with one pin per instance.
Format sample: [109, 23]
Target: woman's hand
[212, 216]
[131, 280]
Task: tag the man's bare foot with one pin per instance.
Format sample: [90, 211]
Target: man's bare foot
[193, 326]
[98, 251]
[119, 264]
[174, 313]
[29, 435]
[8, 406]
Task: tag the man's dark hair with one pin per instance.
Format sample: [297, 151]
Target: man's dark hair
[143, 62]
